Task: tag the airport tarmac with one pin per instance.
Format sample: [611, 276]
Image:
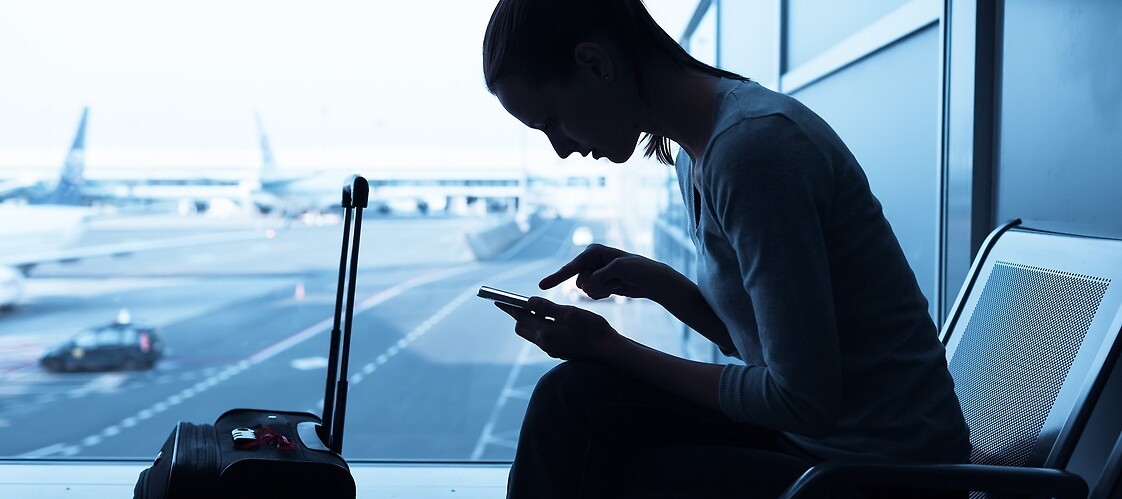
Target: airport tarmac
[435, 373]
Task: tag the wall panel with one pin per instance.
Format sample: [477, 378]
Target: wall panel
[1060, 142]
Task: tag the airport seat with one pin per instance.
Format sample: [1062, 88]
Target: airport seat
[1030, 341]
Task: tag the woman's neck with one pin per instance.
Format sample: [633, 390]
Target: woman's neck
[681, 106]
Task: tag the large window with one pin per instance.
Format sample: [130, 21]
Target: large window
[169, 234]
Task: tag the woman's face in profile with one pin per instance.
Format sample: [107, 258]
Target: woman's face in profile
[584, 116]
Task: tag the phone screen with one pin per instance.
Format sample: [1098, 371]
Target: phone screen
[502, 296]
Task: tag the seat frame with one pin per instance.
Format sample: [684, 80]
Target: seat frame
[1044, 475]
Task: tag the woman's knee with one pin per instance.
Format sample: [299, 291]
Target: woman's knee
[572, 373]
[570, 386]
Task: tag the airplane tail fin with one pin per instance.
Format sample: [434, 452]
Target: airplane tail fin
[268, 163]
[68, 191]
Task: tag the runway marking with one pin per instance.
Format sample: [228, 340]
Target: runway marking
[487, 436]
[309, 363]
[104, 383]
[371, 302]
[417, 332]
[432, 321]
[311, 331]
[233, 370]
[45, 451]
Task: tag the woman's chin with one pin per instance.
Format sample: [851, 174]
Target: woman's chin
[617, 158]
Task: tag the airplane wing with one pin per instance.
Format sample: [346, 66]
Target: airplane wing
[16, 187]
[26, 262]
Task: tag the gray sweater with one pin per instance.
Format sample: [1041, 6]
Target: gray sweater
[797, 259]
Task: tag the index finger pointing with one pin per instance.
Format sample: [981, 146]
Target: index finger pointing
[560, 275]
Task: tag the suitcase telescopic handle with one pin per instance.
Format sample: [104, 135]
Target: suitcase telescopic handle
[356, 194]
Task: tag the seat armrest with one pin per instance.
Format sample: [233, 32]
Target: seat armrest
[820, 479]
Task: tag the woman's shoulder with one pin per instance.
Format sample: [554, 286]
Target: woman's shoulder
[741, 100]
[754, 118]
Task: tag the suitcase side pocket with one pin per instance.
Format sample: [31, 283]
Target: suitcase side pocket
[194, 466]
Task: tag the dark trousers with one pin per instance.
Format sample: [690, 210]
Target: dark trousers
[592, 432]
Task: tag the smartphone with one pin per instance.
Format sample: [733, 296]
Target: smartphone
[502, 296]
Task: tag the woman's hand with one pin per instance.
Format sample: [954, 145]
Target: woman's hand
[603, 271]
[562, 331]
[566, 332]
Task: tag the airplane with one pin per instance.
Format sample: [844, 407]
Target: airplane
[291, 194]
[67, 190]
[33, 230]
[40, 224]
[425, 186]
[413, 182]
[46, 219]
[72, 188]
[393, 190]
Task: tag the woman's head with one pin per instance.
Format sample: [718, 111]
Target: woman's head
[534, 39]
[549, 49]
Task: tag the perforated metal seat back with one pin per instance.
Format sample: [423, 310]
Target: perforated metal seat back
[1029, 338]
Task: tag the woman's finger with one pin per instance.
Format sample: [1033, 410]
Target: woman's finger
[592, 258]
[517, 313]
[566, 271]
[564, 314]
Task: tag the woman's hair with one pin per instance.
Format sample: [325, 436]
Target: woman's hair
[535, 39]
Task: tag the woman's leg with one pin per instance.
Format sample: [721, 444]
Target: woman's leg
[586, 423]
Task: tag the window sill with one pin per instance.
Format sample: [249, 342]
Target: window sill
[78, 480]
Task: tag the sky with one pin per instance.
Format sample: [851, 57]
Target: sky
[166, 78]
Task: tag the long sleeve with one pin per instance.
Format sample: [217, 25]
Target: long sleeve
[796, 257]
[770, 197]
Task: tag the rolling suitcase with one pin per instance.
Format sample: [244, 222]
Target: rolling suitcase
[249, 453]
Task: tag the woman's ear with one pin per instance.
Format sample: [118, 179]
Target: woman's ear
[593, 60]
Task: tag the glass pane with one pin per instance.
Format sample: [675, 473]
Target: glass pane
[85, 340]
[108, 336]
[128, 336]
[813, 26]
[184, 162]
[703, 41]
